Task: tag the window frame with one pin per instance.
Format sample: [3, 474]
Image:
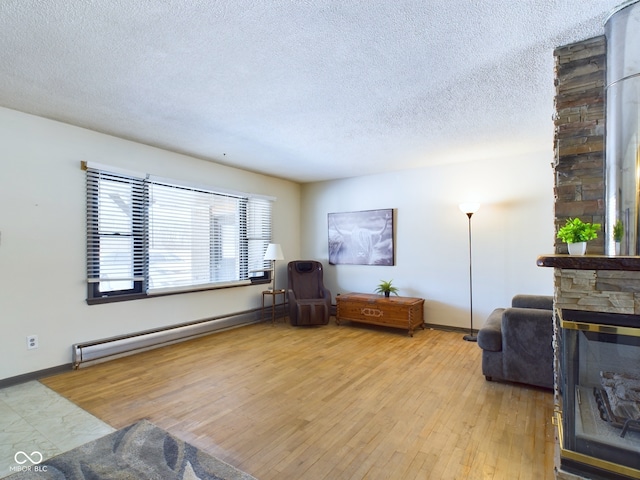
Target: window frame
[140, 228]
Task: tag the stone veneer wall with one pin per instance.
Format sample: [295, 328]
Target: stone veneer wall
[611, 291]
[579, 136]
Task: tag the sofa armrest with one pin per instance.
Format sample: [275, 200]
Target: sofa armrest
[544, 302]
[326, 294]
[490, 335]
[291, 296]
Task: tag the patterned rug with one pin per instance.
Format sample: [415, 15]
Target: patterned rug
[140, 451]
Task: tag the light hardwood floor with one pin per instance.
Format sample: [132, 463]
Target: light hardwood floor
[349, 402]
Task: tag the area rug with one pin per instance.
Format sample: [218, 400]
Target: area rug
[141, 451]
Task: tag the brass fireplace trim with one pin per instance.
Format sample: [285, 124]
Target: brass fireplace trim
[596, 327]
[586, 459]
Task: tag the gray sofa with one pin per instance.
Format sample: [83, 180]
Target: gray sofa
[516, 342]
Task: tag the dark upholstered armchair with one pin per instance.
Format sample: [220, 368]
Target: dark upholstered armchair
[517, 344]
[309, 300]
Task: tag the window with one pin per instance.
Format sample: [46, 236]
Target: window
[147, 236]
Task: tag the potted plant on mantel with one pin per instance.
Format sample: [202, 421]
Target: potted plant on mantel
[386, 288]
[577, 233]
[618, 233]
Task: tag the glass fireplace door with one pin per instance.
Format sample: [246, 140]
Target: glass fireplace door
[600, 391]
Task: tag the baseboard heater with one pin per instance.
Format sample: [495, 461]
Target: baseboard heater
[89, 353]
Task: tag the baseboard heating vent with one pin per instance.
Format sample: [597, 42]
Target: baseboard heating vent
[88, 353]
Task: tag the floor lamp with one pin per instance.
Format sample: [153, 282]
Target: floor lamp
[469, 209]
[273, 253]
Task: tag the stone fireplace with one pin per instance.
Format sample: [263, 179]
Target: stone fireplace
[597, 371]
[597, 297]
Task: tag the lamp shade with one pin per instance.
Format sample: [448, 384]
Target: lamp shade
[469, 207]
[274, 252]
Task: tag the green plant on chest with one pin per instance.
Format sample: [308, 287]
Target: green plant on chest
[385, 287]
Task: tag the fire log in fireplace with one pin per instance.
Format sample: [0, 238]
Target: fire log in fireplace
[619, 400]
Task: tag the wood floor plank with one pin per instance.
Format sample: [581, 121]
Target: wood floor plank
[325, 403]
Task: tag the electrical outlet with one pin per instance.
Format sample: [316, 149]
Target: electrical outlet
[32, 342]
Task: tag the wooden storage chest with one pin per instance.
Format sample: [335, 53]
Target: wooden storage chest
[398, 312]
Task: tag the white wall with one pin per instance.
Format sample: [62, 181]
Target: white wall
[512, 228]
[42, 240]
[42, 237]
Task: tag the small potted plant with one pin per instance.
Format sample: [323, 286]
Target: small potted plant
[618, 233]
[577, 233]
[386, 288]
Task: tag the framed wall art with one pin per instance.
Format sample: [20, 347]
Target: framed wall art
[361, 238]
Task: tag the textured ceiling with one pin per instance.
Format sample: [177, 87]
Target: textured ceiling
[301, 89]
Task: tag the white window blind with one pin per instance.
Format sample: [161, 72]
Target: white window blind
[258, 233]
[195, 237]
[115, 231]
[148, 235]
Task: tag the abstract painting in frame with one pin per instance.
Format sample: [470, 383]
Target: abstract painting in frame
[361, 238]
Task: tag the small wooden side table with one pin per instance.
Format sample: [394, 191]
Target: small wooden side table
[274, 295]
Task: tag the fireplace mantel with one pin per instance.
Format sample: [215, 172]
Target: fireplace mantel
[597, 283]
[590, 262]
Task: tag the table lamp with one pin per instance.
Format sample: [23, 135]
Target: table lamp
[273, 253]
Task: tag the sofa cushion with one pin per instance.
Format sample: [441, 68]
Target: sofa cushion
[544, 302]
[490, 335]
[528, 350]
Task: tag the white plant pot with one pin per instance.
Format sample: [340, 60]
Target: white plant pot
[578, 248]
[617, 248]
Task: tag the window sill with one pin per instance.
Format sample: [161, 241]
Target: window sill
[141, 296]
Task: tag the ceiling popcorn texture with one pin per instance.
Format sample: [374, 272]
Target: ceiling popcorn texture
[305, 90]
